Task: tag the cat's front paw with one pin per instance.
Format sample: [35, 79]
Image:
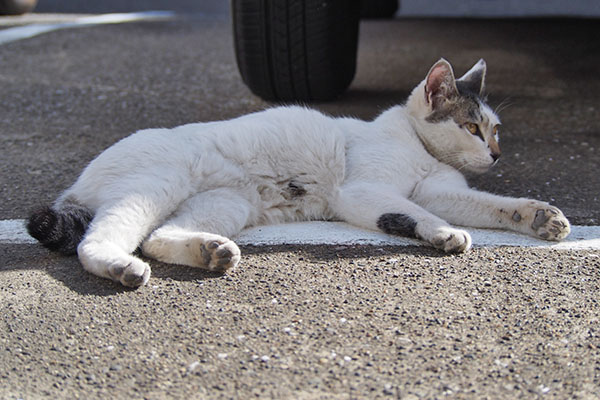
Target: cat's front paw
[549, 223]
[451, 240]
[219, 254]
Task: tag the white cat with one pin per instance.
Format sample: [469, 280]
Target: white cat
[182, 193]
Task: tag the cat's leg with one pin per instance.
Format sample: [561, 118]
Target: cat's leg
[381, 207]
[115, 233]
[197, 234]
[454, 201]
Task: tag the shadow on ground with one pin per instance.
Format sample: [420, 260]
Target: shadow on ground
[68, 270]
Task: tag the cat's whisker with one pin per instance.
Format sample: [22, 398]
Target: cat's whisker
[504, 104]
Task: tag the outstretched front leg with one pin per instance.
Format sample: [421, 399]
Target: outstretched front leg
[197, 235]
[461, 205]
[382, 207]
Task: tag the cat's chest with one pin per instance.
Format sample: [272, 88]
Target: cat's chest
[395, 162]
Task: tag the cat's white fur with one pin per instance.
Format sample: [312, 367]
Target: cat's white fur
[182, 193]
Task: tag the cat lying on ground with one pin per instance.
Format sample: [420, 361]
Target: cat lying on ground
[181, 193]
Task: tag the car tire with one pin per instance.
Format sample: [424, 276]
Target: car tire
[296, 50]
[16, 7]
[378, 8]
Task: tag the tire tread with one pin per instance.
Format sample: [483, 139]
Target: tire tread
[296, 50]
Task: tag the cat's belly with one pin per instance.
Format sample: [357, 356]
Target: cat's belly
[291, 199]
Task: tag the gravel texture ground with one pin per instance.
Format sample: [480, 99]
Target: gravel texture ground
[305, 323]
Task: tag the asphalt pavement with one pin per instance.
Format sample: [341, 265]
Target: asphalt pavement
[301, 321]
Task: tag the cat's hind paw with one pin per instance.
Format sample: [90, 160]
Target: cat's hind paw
[134, 274]
[219, 254]
[451, 240]
[549, 223]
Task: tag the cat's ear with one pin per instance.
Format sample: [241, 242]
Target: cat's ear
[440, 83]
[474, 79]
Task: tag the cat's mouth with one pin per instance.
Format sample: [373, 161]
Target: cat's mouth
[479, 168]
[476, 166]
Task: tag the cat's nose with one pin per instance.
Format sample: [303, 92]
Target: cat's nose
[494, 149]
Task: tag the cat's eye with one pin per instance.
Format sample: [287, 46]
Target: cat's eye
[471, 127]
[495, 130]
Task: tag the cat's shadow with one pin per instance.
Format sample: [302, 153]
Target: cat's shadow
[339, 252]
[69, 271]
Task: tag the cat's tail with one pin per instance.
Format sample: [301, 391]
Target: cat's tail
[60, 228]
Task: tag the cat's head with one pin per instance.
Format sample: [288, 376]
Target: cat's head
[452, 119]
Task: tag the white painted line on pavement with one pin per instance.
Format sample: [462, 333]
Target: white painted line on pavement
[318, 232]
[339, 233]
[12, 231]
[28, 31]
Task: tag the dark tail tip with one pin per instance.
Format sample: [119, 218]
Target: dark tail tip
[59, 230]
[42, 223]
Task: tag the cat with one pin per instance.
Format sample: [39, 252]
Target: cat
[180, 194]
